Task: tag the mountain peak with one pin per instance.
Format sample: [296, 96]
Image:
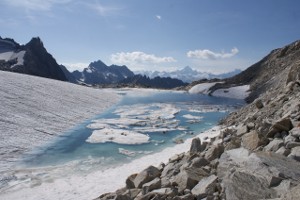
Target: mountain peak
[98, 65]
[187, 69]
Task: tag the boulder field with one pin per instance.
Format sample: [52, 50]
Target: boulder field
[255, 156]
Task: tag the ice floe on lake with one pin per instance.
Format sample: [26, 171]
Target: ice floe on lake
[133, 122]
[119, 136]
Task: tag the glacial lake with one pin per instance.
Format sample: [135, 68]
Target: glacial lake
[159, 118]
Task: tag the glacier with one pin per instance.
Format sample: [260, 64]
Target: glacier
[36, 110]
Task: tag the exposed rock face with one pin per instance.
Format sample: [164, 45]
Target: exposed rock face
[35, 60]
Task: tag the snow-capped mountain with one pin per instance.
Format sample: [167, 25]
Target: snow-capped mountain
[31, 58]
[99, 73]
[188, 74]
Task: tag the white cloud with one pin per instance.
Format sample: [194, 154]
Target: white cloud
[138, 57]
[158, 17]
[206, 54]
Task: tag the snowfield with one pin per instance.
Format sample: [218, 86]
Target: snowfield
[238, 92]
[35, 110]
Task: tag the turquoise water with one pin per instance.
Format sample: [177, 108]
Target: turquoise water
[74, 147]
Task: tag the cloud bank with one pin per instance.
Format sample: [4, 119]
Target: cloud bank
[137, 57]
[206, 54]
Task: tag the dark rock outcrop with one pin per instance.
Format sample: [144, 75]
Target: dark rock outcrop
[32, 59]
[157, 82]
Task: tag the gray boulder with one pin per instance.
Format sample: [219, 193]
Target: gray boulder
[241, 130]
[199, 162]
[248, 175]
[145, 176]
[291, 145]
[253, 140]
[130, 181]
[284, 124]
[214, 152]
[189, 177]
[152, 185]
[295, 154]
[196, 146]
[259, 104]
[274, 145]
[283, 151]
[206, 186]
[295, 132]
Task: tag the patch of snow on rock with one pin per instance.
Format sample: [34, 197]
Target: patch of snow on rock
[238, 92]
[202, 88]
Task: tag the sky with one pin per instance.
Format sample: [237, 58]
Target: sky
[208, 35]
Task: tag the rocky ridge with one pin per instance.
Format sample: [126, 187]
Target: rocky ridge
[256, 155]
[32, 59]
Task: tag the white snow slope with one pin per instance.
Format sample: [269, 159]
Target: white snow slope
[34, 110]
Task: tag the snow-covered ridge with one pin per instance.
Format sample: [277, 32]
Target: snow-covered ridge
[35, 110]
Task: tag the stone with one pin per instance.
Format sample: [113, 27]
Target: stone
[274, 145]
[289, 138]
[199, 162]
[152, 185]
[175, 158]
[130, 181]
[250, 126]
[206, 186]
[234, 143]
[291, 145]
[184, 197]
[214, 152]
[195, 146]
[244, 184]
[259, 104]
[253, 140]
[251, 173]
[283, 151]
[241, 131]
[284, 124]
[189, 177]
[132, 193]
[145, 176]
[295, 153]
[293, 194]
[295, 132]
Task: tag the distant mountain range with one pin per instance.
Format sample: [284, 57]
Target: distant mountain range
[156, 82]
[188, 74]
[33, 59]
[99, 73]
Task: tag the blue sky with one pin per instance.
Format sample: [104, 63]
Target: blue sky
[207, 35]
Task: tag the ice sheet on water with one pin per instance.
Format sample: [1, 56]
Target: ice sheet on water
[140, 119]
[118, 136]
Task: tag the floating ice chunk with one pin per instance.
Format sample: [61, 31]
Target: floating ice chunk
[189, 116]
[126, 152]
[117, 136]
